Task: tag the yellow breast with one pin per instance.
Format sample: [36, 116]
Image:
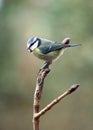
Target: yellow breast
[49, 56]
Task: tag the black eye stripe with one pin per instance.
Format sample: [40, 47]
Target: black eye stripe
[33, 43]
[37, 40]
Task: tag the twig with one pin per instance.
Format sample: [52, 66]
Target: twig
[55, 101]
[38, 92]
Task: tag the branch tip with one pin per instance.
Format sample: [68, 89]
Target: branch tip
[73, 88]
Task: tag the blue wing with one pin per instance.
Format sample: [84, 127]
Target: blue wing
[50, 48]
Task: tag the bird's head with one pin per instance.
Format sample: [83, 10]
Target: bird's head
[33, 43]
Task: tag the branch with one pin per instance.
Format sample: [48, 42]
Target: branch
[38, 91]
[55, 101]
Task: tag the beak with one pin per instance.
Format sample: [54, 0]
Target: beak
[28, 49]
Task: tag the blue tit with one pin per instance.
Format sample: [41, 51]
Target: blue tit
[48, 50]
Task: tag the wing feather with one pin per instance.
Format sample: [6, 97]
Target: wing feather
[50, 48]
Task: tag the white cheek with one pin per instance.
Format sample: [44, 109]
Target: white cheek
[35, 45]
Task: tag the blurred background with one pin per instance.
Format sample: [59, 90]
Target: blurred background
[54, 20]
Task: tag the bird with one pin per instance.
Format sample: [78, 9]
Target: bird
[48, 50]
